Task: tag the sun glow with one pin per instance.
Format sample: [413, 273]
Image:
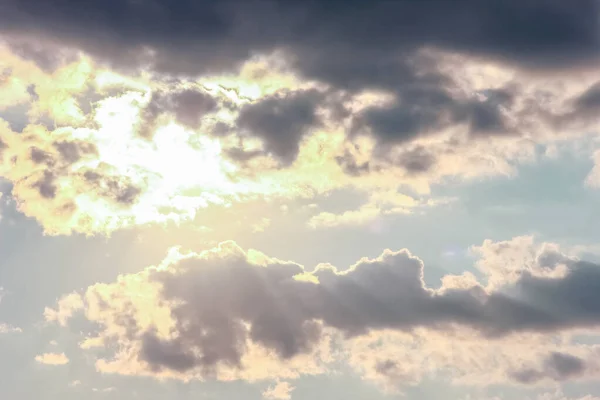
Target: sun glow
[179, 170]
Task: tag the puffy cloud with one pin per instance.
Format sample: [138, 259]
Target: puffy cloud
[5, 328]
[229, 313]
[66, 307]
[52, 359]
[558, 366]
[187, 105]
[507, 261]
[281, 121]
[279, 391]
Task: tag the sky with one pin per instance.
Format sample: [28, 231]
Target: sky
[259, 199]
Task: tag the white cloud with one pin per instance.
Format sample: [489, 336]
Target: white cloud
[5, 328]
[279, 391]
[52, 359]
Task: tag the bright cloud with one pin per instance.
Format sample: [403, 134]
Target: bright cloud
[52, 359]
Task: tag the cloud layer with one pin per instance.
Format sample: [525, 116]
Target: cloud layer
[179, 118]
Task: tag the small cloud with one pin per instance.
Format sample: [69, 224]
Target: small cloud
[261, 225]
[5, 328]
[105, 390]
[279, 391]
[75, 384]
[52, 359]
[67, 306]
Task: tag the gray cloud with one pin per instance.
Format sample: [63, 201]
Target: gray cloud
[557, 366]
[281, 121]
[417, 111]
[117, 188]
[220, 300]
[188, 106]
[351, 166]
[191, 105]
[349, 47]
[48, 59]
[46, 185]
[72, 151]
[196, 36]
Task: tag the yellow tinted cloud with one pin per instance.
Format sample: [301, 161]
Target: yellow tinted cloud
[52, 359]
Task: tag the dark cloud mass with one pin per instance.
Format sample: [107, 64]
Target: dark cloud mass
[221, 300]
[197, 35]
[281, 121]
[188, 106]
[557, 366]
[349, 46]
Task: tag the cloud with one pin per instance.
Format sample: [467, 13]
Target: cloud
[65, 309]
[5, 328]
[188, 106]
[377, 206]
[279, 391]
[557, 366]
[237, 115]
[105, 390]
[506, 262]
[52, 359]
[212, 36]
[208, 314]
[555, 395]
[593, 178]
[281, 121]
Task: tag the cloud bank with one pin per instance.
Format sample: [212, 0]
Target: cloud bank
[216, 313]
[182, 116]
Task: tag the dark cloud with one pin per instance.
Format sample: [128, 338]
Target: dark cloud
[48, 58]
[585, 106]
[221, 129]
[16, 116]
[386, 367]
[196, 36]
[220, 301]
[417, 160]
[352, 167]
[72, 151]
[350, 46]
[414, 161]
[40, 156]
[242, 156]
[116, 188]
[486, 116]
[46, 185]
[191, 105]
[418, 110]
[557, 366]
[425, 109]
[188, 106]
[281, 121]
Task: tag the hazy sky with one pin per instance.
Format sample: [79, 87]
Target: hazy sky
[260, 199]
